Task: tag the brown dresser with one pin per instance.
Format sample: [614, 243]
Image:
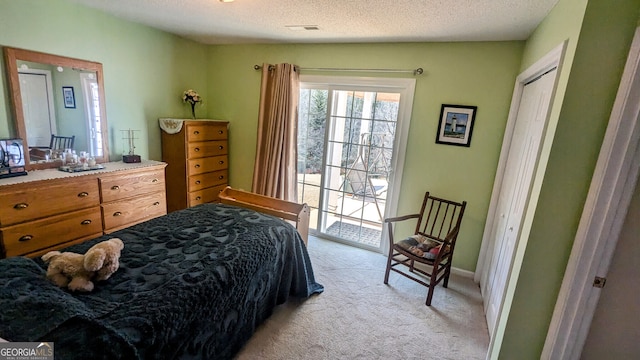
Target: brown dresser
[196, 153]
[50, 209]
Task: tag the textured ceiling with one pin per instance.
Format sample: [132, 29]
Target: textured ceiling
[265, 21]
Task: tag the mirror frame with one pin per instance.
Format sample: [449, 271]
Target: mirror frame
[11, 57]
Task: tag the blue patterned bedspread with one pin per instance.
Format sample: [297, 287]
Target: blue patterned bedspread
[192, 284]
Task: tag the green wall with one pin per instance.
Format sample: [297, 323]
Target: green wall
[599, 36]
[145, 70]
[479, 73]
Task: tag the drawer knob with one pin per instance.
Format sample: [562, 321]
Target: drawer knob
[197, 166]
[221, 177]
[197, 182]
[156, 203]
[220, 147]
[220, 132]
[198, 198]
[117, 213]
[85, 222]
[25, 238]
[196, 132]
[221, 162]
[154, 180]
[115, 187]
[83, 194]
[21, 206]
[196, 149]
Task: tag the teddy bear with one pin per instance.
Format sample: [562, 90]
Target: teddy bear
[67, 270]
[104, 258]
[77, 272]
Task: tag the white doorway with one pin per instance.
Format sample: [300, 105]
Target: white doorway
[511, 196]
[36, 92]
[351, 143]
[91, 95]
[612, 186]
[614, 332]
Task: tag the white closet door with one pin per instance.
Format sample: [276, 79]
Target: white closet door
[515, 190]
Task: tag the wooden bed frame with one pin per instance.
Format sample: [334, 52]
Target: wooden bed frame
[297, 213]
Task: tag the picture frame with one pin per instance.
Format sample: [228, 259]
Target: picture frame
[456, 124]
[69, 97]
[12, 158]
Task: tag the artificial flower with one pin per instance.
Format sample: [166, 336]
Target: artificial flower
[191, 96]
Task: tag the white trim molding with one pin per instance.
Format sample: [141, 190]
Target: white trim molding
[462, 272]
[607, 202]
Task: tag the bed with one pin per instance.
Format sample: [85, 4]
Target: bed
[195, 283]
[296, 214]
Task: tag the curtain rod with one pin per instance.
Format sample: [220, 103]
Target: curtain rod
[417, 71]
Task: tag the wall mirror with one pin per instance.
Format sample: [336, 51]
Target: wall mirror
[56, 96]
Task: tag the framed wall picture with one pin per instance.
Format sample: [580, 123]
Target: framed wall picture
[69, 97]
[456, 124]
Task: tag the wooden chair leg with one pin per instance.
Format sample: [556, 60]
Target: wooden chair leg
[429, 296]
[386, 274]
[390, 255]
[432, 287]
[445, 283]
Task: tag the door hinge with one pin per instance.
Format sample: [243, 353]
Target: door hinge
[599, 282]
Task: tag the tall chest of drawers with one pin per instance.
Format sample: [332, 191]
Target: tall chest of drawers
[196, 153]
[49, 209]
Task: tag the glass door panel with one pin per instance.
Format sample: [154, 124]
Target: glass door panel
[345, 150]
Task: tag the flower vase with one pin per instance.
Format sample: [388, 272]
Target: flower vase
[193, 110]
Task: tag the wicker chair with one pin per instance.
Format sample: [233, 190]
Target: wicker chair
[432, 243]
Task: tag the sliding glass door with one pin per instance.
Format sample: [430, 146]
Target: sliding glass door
[349, 142]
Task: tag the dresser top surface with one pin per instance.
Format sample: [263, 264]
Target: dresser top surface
[51, 174]
[196, 120]
[173, 126]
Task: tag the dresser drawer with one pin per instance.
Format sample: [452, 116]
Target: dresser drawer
[202, 181]
[205, 165]
[121, 186]
[120, 214]
[206, 195]
[46, 200]
[204, 132]
[40, 234]
[206, 148]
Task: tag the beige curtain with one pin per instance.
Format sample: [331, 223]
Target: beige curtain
[275, 173]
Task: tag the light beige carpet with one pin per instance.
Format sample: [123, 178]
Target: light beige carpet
[359, 317]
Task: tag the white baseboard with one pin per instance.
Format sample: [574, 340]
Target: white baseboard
[462, 272]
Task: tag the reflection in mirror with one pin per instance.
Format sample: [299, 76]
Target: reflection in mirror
[58, 105]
